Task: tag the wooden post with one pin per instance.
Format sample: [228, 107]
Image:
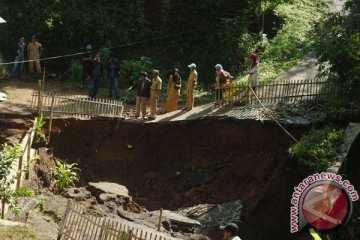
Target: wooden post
[28, 153]
[160, 217]
[62, 225]
[51, 116]
[39, 98]
[18, 179]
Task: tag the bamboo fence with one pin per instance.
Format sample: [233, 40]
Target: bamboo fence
[78, 225]
[279, 92]
[76, 105]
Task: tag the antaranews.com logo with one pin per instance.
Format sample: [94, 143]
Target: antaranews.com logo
[323, 200]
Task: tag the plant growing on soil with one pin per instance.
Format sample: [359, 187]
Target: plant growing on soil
[8, 155]
[38, 125]
[23, 192]
[65, 175]
[318, 148]
[40, 203]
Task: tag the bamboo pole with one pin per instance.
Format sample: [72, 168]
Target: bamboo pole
[51, 116]
[160, 218]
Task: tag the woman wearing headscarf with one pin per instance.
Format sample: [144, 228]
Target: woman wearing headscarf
[253, 79]
[173, 91]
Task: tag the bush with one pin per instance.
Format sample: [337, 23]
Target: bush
[131, 69]
[318, 148]
[65, 175]
[74, 72]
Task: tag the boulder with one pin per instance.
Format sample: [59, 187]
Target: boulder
[78, 194]
[107, 187]
[176, 222]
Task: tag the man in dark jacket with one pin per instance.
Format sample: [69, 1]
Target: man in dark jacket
[113, 67]
[143, 85]
[87, 60]
[96, 73]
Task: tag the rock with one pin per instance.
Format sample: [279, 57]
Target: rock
[107, 187]
[126, 215]
[78, 194]
[10, 223]
[55, 206]
[105, 197]
[177, 222]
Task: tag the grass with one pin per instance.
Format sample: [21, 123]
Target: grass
[318, 148]
[18, 233]
[292, 41]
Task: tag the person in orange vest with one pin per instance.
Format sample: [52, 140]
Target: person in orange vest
[191, 84]
[173, 91]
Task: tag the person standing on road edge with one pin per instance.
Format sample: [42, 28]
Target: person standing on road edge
[96, 73]
[230, 232]
[143, 85]
[173, 91]
[253, 71]
[18, 67]
[34, 51]
[155, 94]
[87, 60]
[191, 84]
[113, 67]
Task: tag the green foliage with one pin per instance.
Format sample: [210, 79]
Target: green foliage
[65, 175]
[338, 49]
[294, 39]
[23, 192]
[8, 155]
[131, 69]
[74, 72]
[318, 148]
[128, 97]
[38, 123]
[40, 203]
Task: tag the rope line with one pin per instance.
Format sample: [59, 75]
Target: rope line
[277, 122]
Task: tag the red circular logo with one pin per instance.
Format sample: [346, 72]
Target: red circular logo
[325, 206]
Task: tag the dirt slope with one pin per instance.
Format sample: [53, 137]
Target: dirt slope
[190, 162]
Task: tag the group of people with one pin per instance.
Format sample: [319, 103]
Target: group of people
[148, 92]
[33, 50]
[93, 70]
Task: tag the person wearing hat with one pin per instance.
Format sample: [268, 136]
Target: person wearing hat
[154, 93]
[230, 231]
[34, 51]
[87, 60]
[173, 91]
[191, 84]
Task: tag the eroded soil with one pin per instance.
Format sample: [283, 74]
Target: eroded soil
[185, 163]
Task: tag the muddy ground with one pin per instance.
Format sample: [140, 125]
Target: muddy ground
[12, 130]
[182, 164]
